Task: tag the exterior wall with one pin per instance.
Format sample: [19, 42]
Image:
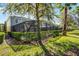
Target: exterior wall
[8, 25]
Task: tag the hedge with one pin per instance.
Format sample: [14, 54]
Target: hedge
[30, 36]
[55, 33]
[1, 37]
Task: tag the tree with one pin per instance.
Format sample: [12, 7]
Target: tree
[76, 11]
[38, 10]
[65, 7]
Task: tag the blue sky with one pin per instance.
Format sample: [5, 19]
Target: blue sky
[3, 17]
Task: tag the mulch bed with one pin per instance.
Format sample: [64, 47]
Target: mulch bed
[13, 41]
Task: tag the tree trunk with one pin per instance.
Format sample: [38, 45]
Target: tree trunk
[65, 21]
[39, 34]
[46, 26]
[38, 24]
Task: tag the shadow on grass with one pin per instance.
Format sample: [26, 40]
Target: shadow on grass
[20, 47]
[72, 36]
[47, 53]
[74, 49]
[75, 33]
[67, 46]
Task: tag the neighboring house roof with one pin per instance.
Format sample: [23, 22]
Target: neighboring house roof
[20, 19]
[17, 20]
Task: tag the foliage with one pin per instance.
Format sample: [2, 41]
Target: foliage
[57, 46]
[55, 33]
[30, 36]
[1, 37]
[27, 35]
[38, 10]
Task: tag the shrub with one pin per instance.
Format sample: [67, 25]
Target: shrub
[16, 35]
[1, 37]
[55, 33]
[30, 36]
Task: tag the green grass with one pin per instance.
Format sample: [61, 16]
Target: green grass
[1, 33]
[61, 44]
[20, 50]
[75, 32]
[58, 45]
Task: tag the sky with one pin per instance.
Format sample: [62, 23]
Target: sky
[3, 17]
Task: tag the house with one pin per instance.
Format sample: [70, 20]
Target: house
[19, 24]
[23, 24]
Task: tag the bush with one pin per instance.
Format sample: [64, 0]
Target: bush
[29, 36]
[1, 37]
[32, 36]
[55, 33]
[16, 35]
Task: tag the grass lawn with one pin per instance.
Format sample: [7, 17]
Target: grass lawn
[19, 50]
[58, 46]
[1, 33]
[61, 44]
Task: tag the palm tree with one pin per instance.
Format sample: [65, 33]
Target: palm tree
[66, 7]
